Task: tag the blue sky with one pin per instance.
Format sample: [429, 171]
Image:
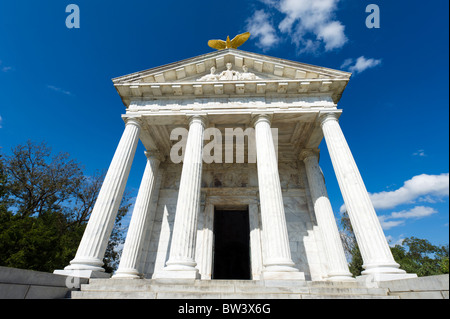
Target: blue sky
[55, 83]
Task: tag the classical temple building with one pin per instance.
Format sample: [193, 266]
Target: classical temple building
[232, 188]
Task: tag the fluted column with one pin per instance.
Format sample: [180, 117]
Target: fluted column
[375, 251]
[101, 222]
[132, 250]
[181, 263]
[278, 262]
[334, 252]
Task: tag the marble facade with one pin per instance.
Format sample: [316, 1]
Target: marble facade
[293, 231]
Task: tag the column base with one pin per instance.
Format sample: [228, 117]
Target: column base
[282, 272]
[82, 273]
[376, 277]
[179, 269]
[126, 274]
[340, 277]
[84, 268]
[177, 274]
[383, 273]
[283, 275]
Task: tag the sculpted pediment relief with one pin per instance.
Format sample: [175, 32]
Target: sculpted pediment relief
[229, 75]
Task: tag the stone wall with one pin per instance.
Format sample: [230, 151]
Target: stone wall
[431, 287]
[28, 284]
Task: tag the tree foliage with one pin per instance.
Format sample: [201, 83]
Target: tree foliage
[351, 247]
[39, 182]
[416, 256]
[420, 257]
[3, 191]
[45, 204]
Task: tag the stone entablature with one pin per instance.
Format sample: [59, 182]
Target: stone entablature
[232, 104]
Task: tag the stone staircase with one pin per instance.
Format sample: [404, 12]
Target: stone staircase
[226, 289]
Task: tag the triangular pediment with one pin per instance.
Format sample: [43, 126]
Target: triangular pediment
[230, 72]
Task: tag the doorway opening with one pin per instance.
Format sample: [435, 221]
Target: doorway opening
[231, 245]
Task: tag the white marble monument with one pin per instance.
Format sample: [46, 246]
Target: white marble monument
[290, 231]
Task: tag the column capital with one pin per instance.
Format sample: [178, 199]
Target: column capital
[135, 120]
[328, 116]
[261, 117]
[154, 155]
[309, 152]
[198, 118]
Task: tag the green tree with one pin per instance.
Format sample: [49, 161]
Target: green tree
[31, 242]
[414, 255]
[421, 257]
[39, 182]
[351, 247]
[45, 204]
[3, 190]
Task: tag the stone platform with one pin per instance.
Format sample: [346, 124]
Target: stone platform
[226, 289]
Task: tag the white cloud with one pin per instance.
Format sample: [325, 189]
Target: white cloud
[416, 212]
[309, 14]
[421, 188]
[346, 63]
[5, 68]
[308, 23]
[1, 122]
[332, 35]
[392, 241]
[430, 199]
[59, 90]
[260, 26]
[390, 224]
[398, 218]
[414, 189]
[420, 153]
[360, 65]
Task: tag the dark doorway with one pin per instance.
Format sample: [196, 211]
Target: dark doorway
[231, 244]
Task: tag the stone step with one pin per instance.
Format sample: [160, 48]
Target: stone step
[112, 295]
[349, 284]
[156, 285]
[104, 283]
[224, 289]
[234, 289]
[332, 296]
[348, 291]
[181, 295]
[144, 284]
[159, 288]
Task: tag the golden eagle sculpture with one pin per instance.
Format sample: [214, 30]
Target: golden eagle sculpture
[234, 44]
